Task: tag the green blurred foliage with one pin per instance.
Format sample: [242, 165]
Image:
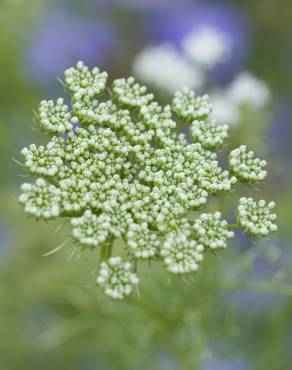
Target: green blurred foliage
[51, 314]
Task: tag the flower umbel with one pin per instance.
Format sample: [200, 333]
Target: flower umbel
[256, 218]
[211, 231]
[116, 278]
[246, 167]
[126, 174]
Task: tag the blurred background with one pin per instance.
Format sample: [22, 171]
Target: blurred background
[237, 313]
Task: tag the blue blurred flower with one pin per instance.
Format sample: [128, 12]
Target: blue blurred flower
[137, 5]
[175, 24]
[220, 364]
[280, 133]
[64, 39]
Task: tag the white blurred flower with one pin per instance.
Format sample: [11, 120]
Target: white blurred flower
[224, 110]
[207, 46]
[164, 67]
[248, 90]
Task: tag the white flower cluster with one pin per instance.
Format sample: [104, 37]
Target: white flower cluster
[181, 254]
[83, 81]
[55, 118]
[246, 167]
[244, 92]
[190, 108]
[157, 117]
[170, 69]
[41, 200]
[213, 179]
[128, 172]
[211, 230]
[224, 110]
[116, 278]
[109, 115]
[256, 218]
[210, 134]
[91, 230]
[207, 46]
[248, 90]
[141, 242]
[130, 94]
[41, 160]
[162, 66]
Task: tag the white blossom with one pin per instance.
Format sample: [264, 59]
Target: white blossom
[213, 179]
[115, 278]
[249, 91]
[128, 172]
[211, 230]
[81, 80]
[91, 230]
[209, 134]
[42, 160]
[181, 255]
[189, 107]
[163, 67]
[224, 110]
[256, 218]
[207, 46]
[246, 167]
[40, 199]
[130, 93]
[142, 242]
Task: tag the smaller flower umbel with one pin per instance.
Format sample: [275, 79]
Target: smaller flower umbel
[126, 174]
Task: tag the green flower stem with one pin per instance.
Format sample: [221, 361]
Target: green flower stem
[234, 226]
[109, 249]
[135, 265]
[103, 252]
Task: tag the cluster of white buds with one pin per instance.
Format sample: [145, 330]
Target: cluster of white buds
[211, 230]
[128, 172]
[41, 200]
[42, 160]
[130, 94]
[210, 134]
[91, 230]
[84, 82]
[55, 118]
[181, 254]
[109, 115]
[141, 242]
[163, 67]
[256, 218]
[115, 278]
[156, 117]
[190, 108]
[212, 178]
[246, 167]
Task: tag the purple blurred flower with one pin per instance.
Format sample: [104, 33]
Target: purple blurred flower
[175, 24]
[64, 39]
[280, 133]
[137, 5]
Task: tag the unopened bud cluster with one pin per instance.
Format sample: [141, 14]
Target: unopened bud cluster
[210, 135]
[211, 230]
[121, 169]
[246, 167]
[256, 218]
[116, 278]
